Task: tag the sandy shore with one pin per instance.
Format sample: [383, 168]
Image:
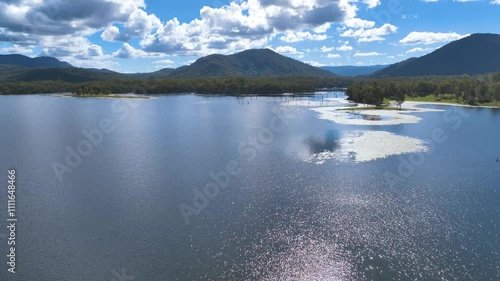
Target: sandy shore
[328, 102]
[388, 117]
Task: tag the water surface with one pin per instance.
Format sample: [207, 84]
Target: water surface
[280, 218]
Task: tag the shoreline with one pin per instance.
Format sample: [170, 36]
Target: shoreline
[372, 116]
[450, 104]
[112, 96]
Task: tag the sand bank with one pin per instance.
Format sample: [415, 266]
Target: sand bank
[364, 146]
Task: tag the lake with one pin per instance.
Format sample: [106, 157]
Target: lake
[187, 187]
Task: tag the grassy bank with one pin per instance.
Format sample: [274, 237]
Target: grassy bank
[447, 99]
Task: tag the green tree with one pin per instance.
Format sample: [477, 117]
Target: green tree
[400, 99]
[494, 92]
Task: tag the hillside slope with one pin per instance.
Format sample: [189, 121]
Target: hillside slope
[250, 63]
[25, 61]
[475, 54]
[351, 71]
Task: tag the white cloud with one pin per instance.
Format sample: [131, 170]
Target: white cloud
[292, 36]
[64, 17]
[247, 24]
[372, 3]
[139, 24]
[71, 48]
[428, 38]
[112, 33]
[288, 50]
[415, 50]
[315, 63]
[370, 54]
[62, 28]
[166, 63]
[419, 50]
[333, 56]
[345, 47]
[17, 49]
[359, 23]
[326, 49]
[372, 34]
[128, 52]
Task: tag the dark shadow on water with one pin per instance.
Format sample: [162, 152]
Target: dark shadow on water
[326, 141]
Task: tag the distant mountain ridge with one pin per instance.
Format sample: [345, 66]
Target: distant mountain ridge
[20, 60]
[351, 71]
[475, 54]
[250, 63]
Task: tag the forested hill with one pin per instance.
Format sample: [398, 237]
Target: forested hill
[20, 60]
[475, 54]
[351, 71]
[250, 63]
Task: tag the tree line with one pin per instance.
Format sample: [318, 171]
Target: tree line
[467, 89]
[221, 86]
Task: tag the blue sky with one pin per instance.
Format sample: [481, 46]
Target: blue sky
[144, 36]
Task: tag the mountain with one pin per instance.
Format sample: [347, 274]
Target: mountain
[71, 74]
[250, 63]
[475, 54]
[352, 71]
[25, 61]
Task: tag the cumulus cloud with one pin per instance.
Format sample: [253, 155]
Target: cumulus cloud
[428, 38]
[291, 36]
[326, 49]
[345, 47]
[333, 56]
[419, 50]
[247, 24]
[359, 23]
[17, 49]
[62, 27]
[63, 17]
[315, 63]
[66, 46]
[139, 24]
[128, 52]
[288, 50]
[370, 34]
[166, 63]
[372, 3]
[370, 54]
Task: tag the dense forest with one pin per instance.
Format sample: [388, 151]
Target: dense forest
[222, 86]
[466, 89]
[470, 90]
